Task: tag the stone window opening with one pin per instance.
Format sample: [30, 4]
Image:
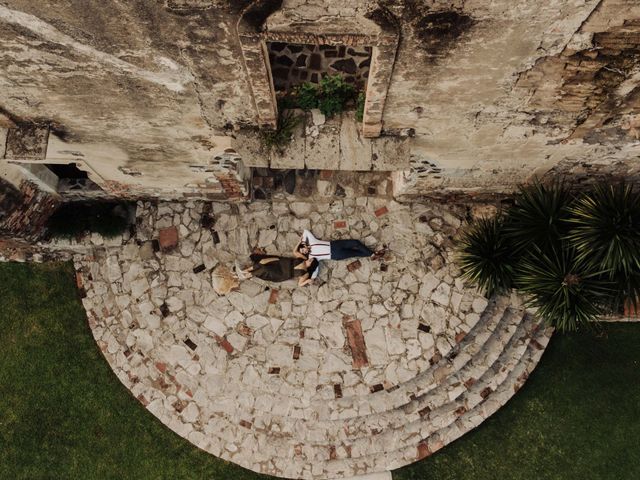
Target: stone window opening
[378, 32]
[294, 64]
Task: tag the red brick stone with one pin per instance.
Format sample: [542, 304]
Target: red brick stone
[423, 451]
[179, 405]
[273, 296]
[460, 410]
[486, 392]
[469, 383]
[224, 343]
[168, 238]
[162, 367]
[244, 330]
[354, 266]
[381, 211]
[355, 338]
[460, 336]
[340, 224]
[337, 390]
[333, 453]
[79, 281]
[245, 424]
[141, 398]
[326, 174]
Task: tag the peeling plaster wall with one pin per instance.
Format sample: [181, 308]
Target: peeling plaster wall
[158, 88]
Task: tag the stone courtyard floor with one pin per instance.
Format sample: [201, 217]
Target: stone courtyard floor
[378, 364]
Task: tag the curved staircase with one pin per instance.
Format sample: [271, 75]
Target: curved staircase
[223, 394]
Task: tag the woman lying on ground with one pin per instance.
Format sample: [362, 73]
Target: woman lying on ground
[280, 269]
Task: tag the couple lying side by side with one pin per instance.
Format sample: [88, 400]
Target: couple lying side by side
[307, 256]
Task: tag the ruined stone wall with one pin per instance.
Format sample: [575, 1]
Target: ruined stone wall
[147, 94]
[533, 98]
[24, 211]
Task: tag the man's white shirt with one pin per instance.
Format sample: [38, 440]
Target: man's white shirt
[318, 249]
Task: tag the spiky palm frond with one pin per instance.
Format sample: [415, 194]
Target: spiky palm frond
[485, 256]
[538, 216]
[567, 292]
[606, 228]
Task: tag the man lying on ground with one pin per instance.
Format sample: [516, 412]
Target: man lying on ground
[310, 247]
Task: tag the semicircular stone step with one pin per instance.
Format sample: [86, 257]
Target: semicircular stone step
[448, 390]
[389, 458]
[407, 425]
[421, 446]
[358, 374]
[379, 402]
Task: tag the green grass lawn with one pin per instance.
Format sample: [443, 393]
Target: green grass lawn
[577, 417]
[64, 414]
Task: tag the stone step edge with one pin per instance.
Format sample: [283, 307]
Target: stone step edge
[408, 397]
[520, 329]
[427, 446]
[391, 460]
[497, 303]
[400, 392]
[475, 389]
[287, 445]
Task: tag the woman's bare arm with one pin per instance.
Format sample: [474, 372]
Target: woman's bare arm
[264, 261]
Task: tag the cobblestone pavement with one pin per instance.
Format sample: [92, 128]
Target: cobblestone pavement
[377, 365]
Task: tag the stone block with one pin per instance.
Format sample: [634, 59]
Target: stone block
[322, 145]
[273, 296]
[168, 238]
[249, 145]
[390, 154]
[292, 156]
[355, 338]
[381, 211]
[355, 150]
[354, 265]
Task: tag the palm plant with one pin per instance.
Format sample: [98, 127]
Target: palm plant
[486, 257]
[564, 288]
[538, 216]
[606, 232]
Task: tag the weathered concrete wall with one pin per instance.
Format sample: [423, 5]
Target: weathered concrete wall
[495, 108]
[146, 94]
